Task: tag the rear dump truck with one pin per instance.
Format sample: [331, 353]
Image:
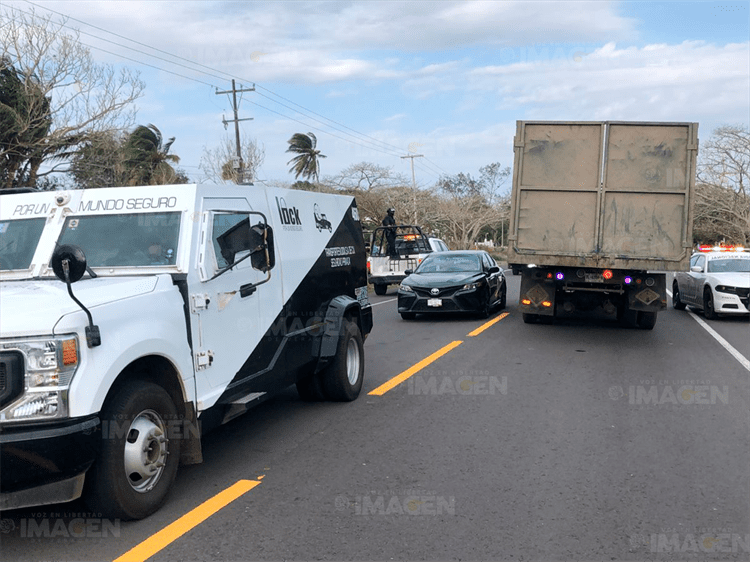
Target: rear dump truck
[599, 212]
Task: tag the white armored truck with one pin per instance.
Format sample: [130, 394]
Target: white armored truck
[134, 320]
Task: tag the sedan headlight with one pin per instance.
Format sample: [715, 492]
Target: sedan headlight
[48, 368]
[726, 289]
[405, 288]
[471, 286]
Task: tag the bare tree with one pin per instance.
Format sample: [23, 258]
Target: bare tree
[722, 208]
[83, 98]
[366, 176]
[469, 207]
[218, 163]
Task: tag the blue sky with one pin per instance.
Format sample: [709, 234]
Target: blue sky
[444, 79]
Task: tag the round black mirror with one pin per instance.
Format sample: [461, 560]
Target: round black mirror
[76, 262]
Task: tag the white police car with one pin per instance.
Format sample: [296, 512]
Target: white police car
[718, 282]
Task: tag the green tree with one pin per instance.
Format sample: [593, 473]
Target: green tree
[58, 97]
[307, 161]
[147, 159]
[25, 121]
[99, 161]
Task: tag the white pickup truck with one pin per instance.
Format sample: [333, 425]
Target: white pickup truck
[134, 320]
[389, 260]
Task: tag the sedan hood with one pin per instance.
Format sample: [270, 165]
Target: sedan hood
[34, 307]
[732, 279]
[442, 279]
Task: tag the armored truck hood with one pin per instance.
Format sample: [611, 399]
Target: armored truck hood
[34, 307]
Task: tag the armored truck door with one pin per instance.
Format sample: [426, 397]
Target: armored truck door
[229, 304]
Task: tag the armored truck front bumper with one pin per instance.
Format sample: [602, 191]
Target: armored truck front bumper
[46, 463]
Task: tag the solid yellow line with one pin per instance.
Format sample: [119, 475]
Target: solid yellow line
[398, 379]
[486, 325]
[175, 530]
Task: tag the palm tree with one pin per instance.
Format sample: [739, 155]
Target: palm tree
[147, 157]
[306, 163]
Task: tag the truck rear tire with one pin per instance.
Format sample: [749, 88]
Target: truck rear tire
[342, 379]
[646, 320]
[380, 288]
[137, 461]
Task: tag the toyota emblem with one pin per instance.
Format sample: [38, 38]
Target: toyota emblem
[434, 291]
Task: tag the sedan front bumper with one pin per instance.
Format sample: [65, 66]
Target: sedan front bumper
[452, 299]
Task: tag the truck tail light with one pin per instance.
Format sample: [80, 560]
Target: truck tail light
[607, 274]
[525, 301]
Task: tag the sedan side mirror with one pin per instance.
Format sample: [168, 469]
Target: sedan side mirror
[408, 271]
[493, 269]
[697, 269]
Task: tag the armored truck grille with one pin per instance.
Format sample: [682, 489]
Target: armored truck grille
[11, 377]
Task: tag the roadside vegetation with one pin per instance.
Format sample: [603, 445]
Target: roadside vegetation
[68, 122]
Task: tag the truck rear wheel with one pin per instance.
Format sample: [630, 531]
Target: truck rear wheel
[137, 462]
[646, 320]
[380, 288]
[342, 379]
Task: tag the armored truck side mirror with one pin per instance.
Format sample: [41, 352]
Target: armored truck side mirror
[241, 238]
[69, 264]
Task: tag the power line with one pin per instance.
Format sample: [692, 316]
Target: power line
[374, 143]
[213, 70]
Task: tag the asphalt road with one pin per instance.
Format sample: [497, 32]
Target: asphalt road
[579, 440]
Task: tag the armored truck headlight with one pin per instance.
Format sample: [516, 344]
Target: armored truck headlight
[49, 366]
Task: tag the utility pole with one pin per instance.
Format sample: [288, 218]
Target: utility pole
[240, 164]
[414, 183]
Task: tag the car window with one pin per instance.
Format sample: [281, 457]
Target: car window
[486, 261]
[440, 263]
[18, 242]
[701, 261]
[694, 259]
[142, 239]
[729, 265]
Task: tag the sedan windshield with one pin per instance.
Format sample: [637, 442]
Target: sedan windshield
[450, 264]
[129, 240]
[18, 242]
[729, 265]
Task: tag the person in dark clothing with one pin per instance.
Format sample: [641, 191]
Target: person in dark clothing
[390, 232]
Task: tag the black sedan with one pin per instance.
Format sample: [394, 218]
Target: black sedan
[457, 281]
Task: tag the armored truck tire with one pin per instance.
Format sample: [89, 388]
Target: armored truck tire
[342, 379]
[138, 458]
[380, 288]
[310, 388]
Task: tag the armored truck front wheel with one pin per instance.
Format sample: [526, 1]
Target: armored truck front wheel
[139, 453]
[380, 288]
